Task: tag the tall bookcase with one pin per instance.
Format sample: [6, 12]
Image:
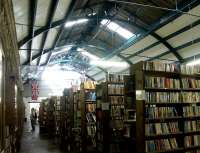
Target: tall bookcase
[66, 119]
[110, 114]
[76, 130]
[88, 113]
[130, 114]
[167, 107]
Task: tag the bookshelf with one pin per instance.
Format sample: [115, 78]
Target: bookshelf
[130, 114]
[57, 116]
[76, 130]
[43, 115]
[103, 118]
[51, 126]
[66, 119]
[167, 107]
[88, 115]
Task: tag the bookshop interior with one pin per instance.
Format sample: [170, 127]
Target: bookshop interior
[99, 76]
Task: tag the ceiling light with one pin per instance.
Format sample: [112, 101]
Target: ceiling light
[72, 23]
[109, 64]
[117, 28]
[192, 63]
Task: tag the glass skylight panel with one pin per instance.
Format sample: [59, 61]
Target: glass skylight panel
[113, 26]
[72, 23]
[105, 21]
[117, 28]
[125, 33]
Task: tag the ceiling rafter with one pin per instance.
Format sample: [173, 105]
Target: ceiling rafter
[184, 29]
[61, 30]
[51, 13]
[32, 16]
[183, 6]
[156, 36]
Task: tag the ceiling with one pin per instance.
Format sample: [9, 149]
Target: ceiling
[53, 32]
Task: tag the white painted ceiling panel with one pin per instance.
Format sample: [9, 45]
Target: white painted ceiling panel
[115, 70]
[37, 41]
[34, 62]
[190, 51]
[179, 23]
[138, 59]
[22, 31]
[185, 37]
[21, 12]
[42, 12]
[93, 71]
[43, 59]
[50, 38]
[61, 10]
[140, 45]
[167, 58]
[159, 49]
[100, 76]
[115, 58]
[23, 54]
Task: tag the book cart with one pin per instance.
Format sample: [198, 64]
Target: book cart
[88, 116]
[167, 108]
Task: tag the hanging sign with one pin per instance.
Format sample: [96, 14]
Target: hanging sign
[35, 90]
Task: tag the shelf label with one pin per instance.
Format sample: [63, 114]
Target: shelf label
[140, 94]
[105, 106]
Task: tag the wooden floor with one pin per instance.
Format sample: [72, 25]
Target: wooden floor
[33, 142]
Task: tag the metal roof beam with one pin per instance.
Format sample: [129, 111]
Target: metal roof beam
[184, 6]
[178, 48]
[32, 16]
[71, 8]
[166, 38]
[51, 13]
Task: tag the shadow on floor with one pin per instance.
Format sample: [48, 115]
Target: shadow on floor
[33, 142]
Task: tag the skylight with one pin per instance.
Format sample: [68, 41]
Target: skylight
[86, 53]
[76, 22]
[117, 28]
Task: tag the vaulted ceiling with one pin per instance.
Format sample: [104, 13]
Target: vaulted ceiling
[53, 32]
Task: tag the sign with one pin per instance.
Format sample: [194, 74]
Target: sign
[35, 90]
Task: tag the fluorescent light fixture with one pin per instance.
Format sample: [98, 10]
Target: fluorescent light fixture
[109, 64]
[72, 23]
[86, 53]
[117, 28]
[195, 62]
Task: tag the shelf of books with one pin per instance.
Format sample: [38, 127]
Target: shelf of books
[51, 127]
[115, 86]
[88, 113]
[76, 130]
[102, 118]
[130, 114]
[43, 115]
[66, 119]
[167, 107]
[57, 116]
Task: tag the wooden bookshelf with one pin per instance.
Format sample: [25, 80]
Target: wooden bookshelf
[88, 116]
[155, 82]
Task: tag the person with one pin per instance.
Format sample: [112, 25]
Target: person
[33, 117]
